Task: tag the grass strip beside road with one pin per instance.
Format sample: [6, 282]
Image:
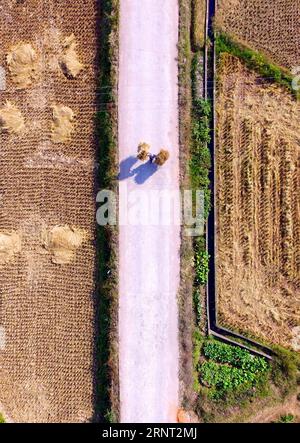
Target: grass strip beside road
[256, 61]
[107, 376]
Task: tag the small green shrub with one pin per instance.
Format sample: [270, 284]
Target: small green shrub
[289, 418]
[110, 417]
[2, 420]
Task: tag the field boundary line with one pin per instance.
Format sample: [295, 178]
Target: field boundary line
[211, 236]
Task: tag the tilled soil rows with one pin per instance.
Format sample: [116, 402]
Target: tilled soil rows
[47, 218]
[258, 252]
[272, 27]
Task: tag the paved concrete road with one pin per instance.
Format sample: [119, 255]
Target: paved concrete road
[149, 255]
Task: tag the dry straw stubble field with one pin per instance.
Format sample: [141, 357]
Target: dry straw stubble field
[47, 209]
[258, 206]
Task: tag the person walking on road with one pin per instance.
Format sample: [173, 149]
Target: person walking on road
[161, 157]
[152, 158]
[143, 151]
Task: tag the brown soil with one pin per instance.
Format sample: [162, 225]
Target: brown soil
[46, 310]
[272, 28]
[258, 196]
[184, 416]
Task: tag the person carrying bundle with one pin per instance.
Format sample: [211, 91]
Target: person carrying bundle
[161, 158]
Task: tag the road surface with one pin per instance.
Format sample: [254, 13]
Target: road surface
[149, 253]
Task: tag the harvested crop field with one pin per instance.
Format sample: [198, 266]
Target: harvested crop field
[272, 27]
[258, 195]
[47, 227]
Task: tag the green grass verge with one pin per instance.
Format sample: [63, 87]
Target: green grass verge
[107, 377]
[289, 418]
[256, 61]
[200, 162]
[198, 24]
[198, 342]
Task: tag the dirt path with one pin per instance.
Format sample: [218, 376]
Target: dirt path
[149, 255]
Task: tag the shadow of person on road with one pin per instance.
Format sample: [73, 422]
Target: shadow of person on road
[143, 172]
[125, 168]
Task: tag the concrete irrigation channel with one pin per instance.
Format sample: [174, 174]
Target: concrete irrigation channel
[214, 328]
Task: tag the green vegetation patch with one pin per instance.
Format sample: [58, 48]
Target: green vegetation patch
[256, 61]
[289, 418]
[227, 370]
[2, 420]
[201, 267]
[238, 357]
[198, 341]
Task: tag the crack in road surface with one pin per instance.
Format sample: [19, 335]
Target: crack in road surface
[149, 255]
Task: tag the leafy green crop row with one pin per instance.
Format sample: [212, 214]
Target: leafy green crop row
[230, 370]
[237, 357]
